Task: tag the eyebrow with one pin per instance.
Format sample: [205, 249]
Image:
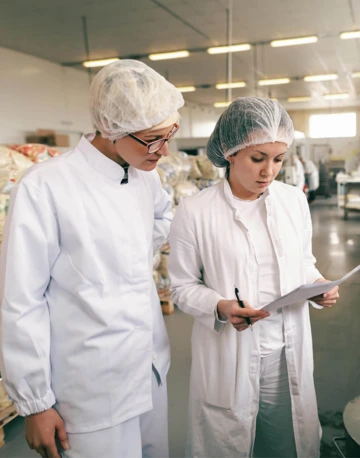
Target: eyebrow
[264, 154]
[152, 137]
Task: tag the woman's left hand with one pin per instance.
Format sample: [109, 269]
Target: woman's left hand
[327, 299]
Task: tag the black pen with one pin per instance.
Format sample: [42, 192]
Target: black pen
[241, 303]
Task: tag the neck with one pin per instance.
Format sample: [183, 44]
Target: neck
[106, 147]
[240, 192]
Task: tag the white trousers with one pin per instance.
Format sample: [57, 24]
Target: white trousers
[274, 425]
[145, 436]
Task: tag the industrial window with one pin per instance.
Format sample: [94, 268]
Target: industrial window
[332, 125]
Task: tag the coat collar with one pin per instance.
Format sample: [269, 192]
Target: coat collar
[98, 160]
[231, 200]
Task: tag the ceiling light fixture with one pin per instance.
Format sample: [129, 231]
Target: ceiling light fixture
[340, 95]
[230, 85]
[99, 63]
[349, 35]
[313, 78]
[232, 48]
[169, 55]
[274, 81]
[221, 104]
[294, 41]
[299, 99]
[186, 88]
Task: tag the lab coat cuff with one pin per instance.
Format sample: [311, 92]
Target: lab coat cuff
[315, 305]
[219, 323]
[25, 408]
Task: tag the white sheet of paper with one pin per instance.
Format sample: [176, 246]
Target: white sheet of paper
[305, 292]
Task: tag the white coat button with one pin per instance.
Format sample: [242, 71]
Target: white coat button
[154, 356]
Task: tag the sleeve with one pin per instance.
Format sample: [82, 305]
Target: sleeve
[162, 215]
[30, 247]
[311, 272]
[189, 292]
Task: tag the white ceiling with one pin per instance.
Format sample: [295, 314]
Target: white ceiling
[53, 30]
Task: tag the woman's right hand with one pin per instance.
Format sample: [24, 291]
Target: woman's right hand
[43, 430]
[231, 310]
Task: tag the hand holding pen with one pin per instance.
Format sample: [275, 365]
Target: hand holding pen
[241, 303]
[232, 311]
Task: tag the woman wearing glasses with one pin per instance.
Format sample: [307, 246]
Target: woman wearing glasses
[84, 350]
[247, 241]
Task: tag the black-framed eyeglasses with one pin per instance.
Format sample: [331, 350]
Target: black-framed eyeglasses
[153, 147]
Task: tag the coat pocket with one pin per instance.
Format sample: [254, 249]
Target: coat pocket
[213, 372]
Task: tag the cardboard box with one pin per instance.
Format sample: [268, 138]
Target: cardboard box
[62, 140]
[48, 137]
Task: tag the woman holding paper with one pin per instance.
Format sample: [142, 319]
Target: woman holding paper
[252, 393]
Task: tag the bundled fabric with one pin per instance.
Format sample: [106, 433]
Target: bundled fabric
[185, 189]
[37, 152]
[174, 168]
[248, 121]
[128, 96]
[195, 172]
[12, 168]
[207, 169]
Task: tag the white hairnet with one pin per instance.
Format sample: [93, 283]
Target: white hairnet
[248, 121]
[128, 96]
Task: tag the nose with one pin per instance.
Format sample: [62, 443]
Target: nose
[164, 150]
[267, 170]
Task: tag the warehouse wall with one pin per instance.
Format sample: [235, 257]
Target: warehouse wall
[35, 93]
[339, 148]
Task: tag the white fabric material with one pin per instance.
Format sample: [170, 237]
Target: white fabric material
[300, 173]
[204, 264]
[274, 430]
[80, 318]
[253, 214]
[128, 96]
[313, 173]
[248, 121]
[145, 436]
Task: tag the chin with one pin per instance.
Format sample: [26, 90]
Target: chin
[146, 166]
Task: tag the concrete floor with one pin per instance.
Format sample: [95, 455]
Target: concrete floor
[335, 333]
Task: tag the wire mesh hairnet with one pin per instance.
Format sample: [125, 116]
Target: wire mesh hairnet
[128, 96]
[248, 121]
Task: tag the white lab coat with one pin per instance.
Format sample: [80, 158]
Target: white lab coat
[300, 174]
[81, 321]
[211, 251]
[313, 175]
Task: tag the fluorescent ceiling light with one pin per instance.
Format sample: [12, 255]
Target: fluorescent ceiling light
[230, 85]
[313, 78]
[299, 99]
[99, 63]
[274, 81]
[294, 41]
[186, 88]
[169, 55]
[221, 104]
[232, 48]
[340, 95]
[356, 75]
[348, 35]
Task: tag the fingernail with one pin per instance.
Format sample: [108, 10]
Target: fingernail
[325, 295]
[66, 446]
